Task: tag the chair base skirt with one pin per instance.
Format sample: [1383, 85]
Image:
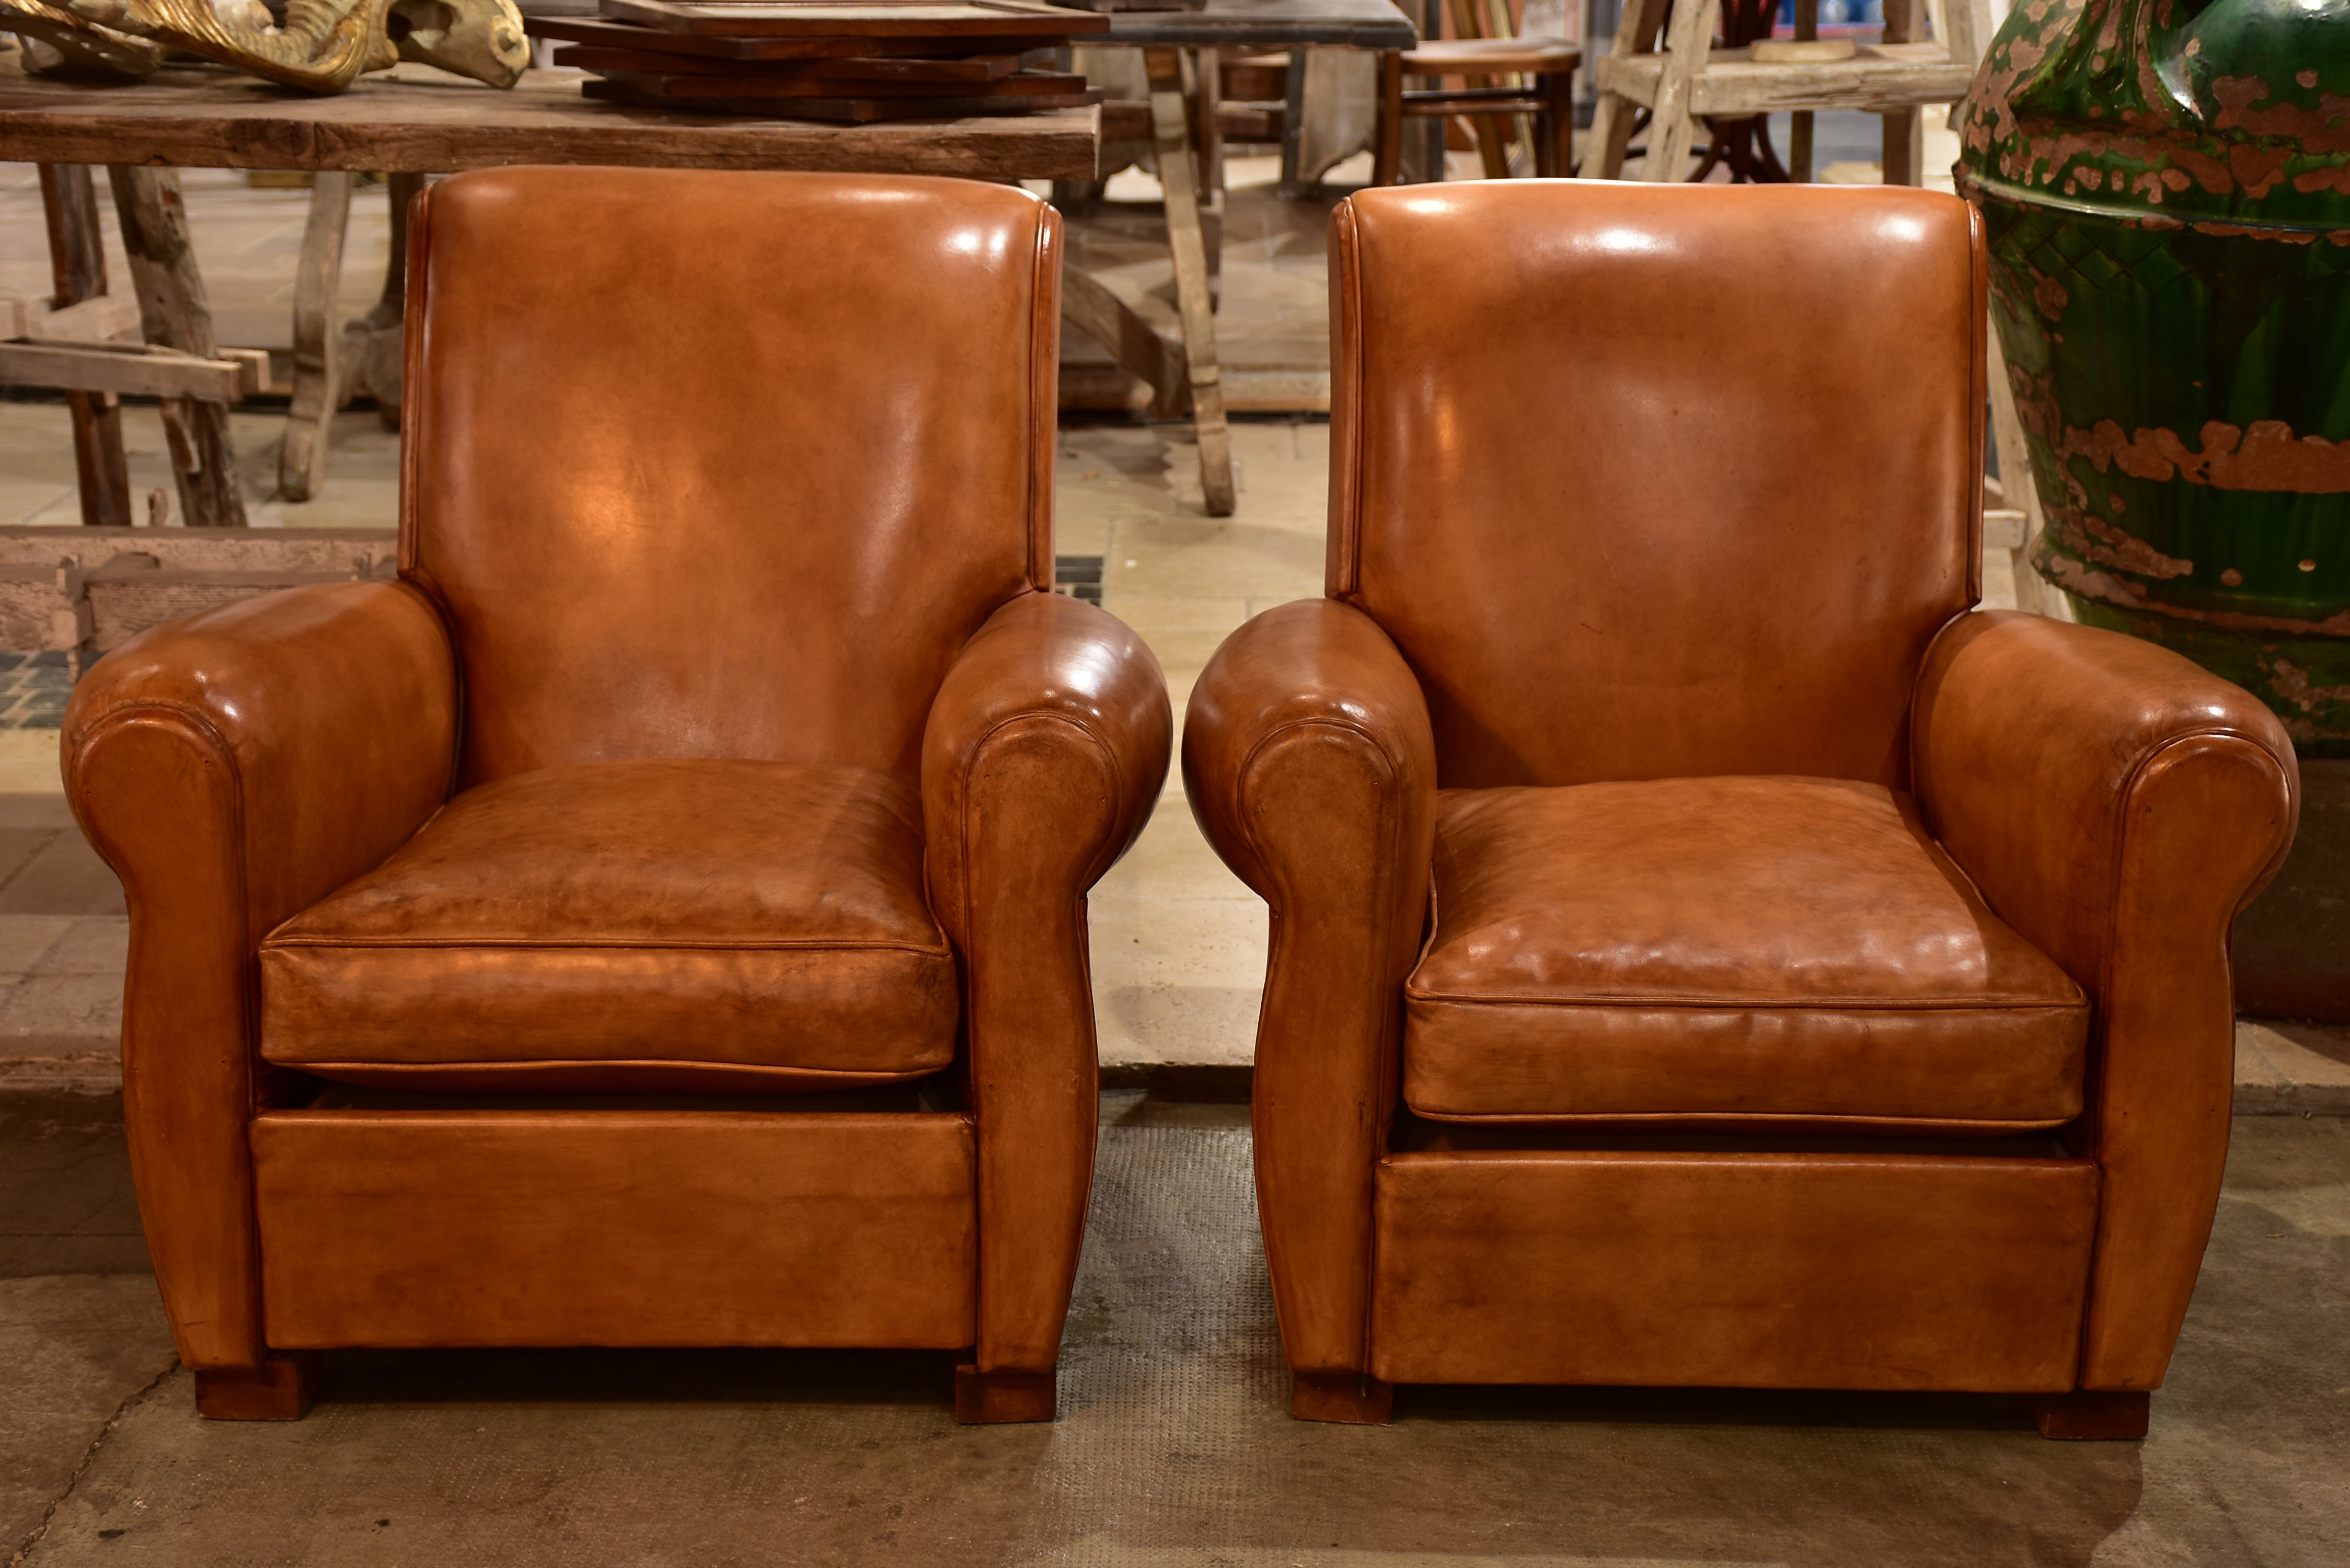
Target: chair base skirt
[280, 1389]
[397, 1230]
[1959, 1272]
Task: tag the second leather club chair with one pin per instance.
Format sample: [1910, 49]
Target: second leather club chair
[658, 917]
[1705, 949]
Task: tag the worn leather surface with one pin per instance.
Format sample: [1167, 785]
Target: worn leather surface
[234, 767]
[1723, 949]
[1768, 1271]
[1308, 761]
[1631, 505]
[671, 926]
[747, 491]
[2117, 804]
[1045, 750]
[737, 480]
[421, 1228]
[1615, 501]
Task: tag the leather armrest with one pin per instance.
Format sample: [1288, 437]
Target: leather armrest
[1310, 763]
[331, 712]
[2117, 804]
[1045, 750]
[234, 767]
[1045, 668]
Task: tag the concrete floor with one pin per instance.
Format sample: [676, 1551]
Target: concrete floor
[1174, 1448]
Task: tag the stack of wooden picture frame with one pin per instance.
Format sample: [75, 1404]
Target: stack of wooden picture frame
[825, 60]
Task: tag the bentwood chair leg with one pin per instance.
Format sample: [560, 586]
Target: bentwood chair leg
[1386, 153]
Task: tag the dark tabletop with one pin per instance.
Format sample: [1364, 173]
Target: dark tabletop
[1267, 25]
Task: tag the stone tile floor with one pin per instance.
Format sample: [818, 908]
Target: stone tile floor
[33, 689]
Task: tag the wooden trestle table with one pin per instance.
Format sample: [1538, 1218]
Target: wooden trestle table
[409, 124]
[1179, 57]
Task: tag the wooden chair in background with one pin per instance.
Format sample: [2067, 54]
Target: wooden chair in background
[1546, 67]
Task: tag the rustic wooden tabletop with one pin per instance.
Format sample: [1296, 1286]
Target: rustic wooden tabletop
[203, 117]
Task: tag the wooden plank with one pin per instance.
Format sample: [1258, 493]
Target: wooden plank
[1672, 132]
[1257, 25]
[971, 68]
[138, 374]
[718, 45]
[607, 34]
[1133, 342]
[97, 318]
[78, 270]
[1637, 26]
[202, 119]
[684, 86]
[617, 88]
[1734, 85]
[987, 19]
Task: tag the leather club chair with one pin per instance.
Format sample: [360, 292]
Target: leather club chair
[504, 938]
[1706, 950]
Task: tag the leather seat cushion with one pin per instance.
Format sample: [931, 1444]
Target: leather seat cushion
[657, 926]
[1727, 950]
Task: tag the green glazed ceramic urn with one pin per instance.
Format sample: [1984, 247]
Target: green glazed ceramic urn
[2166, 188]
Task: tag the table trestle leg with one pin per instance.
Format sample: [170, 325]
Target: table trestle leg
[78, 268]
[318, 337]
[172, 312]
[1178, 175]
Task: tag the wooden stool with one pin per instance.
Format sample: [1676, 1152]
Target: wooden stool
[1685, 80]
[1551, 99]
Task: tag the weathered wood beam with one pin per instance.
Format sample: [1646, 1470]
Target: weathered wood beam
[1731, 84]
[1133, 342]
[127, 369]
[78, 272]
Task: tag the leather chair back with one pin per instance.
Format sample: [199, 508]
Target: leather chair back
[1658, 481]
[738, 478]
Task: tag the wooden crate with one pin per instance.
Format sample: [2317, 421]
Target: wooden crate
[88, 590]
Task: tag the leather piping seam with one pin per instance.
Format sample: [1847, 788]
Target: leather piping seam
[1384, 939]
[536, 1065]
[2122, 817]
[968, 1026]
[1611, 1002]
[526, 944]
[205, 733]
[1669, 1118]
[414, 332]
[1978, 304]
[1043, 289]
[1347, 507]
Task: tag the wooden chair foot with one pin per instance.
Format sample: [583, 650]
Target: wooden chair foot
[986, 1398]
[279, 1389]
[2094, 1415]
[1356, 1399]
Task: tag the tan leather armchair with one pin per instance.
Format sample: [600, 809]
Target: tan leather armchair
[1705, 949]
[504, 938]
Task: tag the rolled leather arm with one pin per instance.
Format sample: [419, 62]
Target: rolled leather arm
[1045, 750]
[234, 767]
[1310, 763]
[2117, 804]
